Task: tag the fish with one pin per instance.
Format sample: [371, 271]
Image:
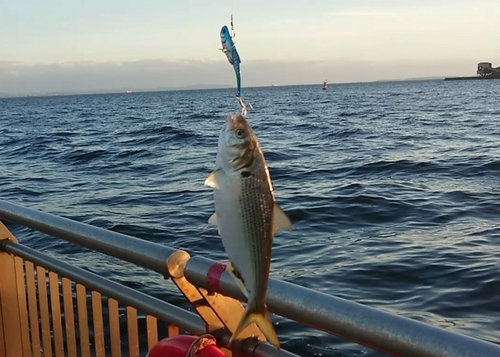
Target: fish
[229, 49]
[247, 216]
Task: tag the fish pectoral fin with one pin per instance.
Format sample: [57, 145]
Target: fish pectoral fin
[213, 220]
[280, 220]
[214, 178]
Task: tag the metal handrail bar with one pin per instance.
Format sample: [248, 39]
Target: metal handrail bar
[146, 303]
[134, 250]
[392, 334]
[379, 330]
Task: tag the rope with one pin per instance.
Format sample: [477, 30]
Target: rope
[200, 343]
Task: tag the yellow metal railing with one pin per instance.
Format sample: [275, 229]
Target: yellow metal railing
[44, 314]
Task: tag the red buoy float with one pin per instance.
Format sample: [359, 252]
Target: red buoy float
[186, 346]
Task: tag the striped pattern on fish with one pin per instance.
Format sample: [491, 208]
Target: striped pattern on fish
[247, 217]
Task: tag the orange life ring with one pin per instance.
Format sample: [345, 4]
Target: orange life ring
[186, 346]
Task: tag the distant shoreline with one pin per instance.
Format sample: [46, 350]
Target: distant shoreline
[195, 87]
[468, 78]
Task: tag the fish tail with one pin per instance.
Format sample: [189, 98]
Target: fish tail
[259, 316]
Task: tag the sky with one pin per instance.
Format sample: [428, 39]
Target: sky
[101, 45]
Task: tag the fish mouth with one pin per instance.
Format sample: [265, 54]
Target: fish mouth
[228, 124]
[235, 121]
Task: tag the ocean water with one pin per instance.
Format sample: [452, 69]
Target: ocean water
[393, 189]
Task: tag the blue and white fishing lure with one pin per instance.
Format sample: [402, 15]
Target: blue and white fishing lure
[229, 49]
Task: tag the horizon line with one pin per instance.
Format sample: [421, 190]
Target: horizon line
[197, 87]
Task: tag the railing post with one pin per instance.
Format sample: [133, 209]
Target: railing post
[15, 341]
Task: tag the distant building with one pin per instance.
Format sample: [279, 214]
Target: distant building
[485, 69]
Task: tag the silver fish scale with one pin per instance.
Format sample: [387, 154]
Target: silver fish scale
[257, 205]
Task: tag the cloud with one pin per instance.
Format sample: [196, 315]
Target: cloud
[327, 34]
[105, 76]
[364, 14]
[74, 77]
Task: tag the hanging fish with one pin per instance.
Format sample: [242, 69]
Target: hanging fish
[229, 49]
[247, 217]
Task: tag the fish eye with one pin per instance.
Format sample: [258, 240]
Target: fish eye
[240, 133]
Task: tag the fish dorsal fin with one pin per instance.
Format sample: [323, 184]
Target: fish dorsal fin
[280, 219]
[214, 178]
[213, 220]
